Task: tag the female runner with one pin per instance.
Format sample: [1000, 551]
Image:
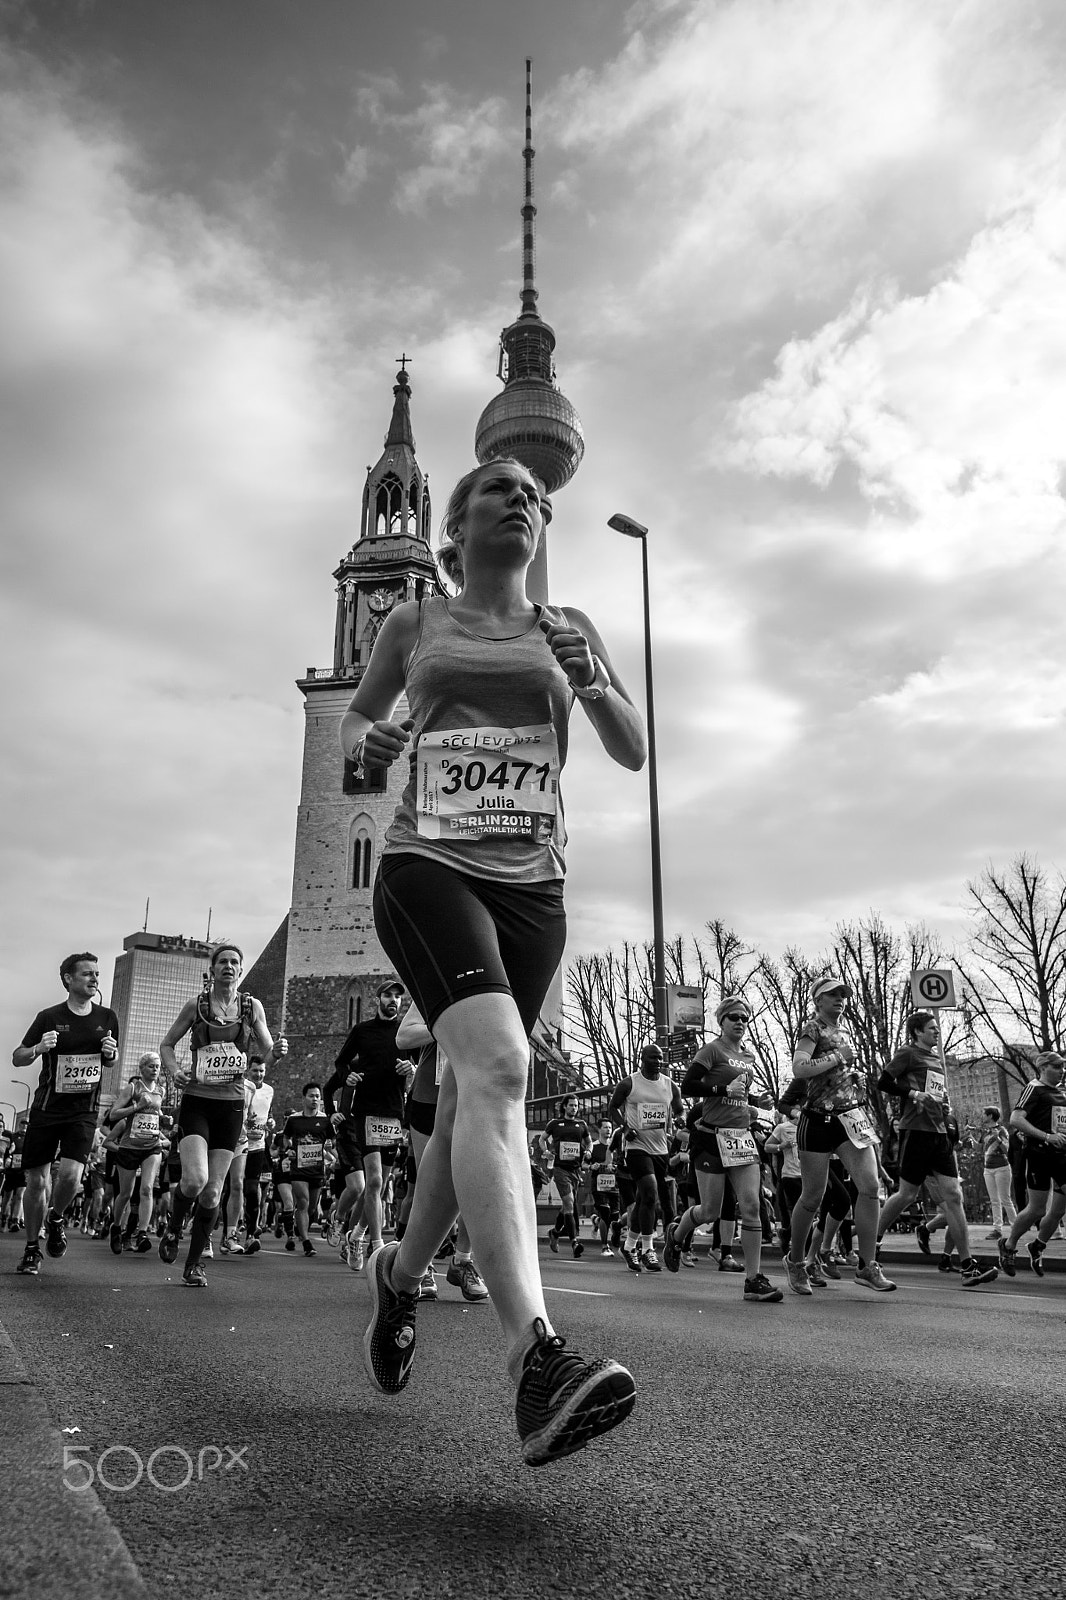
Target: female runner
[468, 905]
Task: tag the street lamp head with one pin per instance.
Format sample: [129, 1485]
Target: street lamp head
[626, 525]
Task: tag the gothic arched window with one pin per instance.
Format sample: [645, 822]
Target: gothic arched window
[361, 853]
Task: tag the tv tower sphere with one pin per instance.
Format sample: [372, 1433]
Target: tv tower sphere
[531, 419]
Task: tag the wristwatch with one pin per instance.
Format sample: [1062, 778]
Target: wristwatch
[599, 685]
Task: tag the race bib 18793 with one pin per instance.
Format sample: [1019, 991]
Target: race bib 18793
[219, 1062]
[77, 1074]
[476, 783]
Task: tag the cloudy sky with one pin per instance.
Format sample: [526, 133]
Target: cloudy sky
[807, 266]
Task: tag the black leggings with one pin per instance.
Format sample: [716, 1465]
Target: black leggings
[839, 1197]
[450, 935]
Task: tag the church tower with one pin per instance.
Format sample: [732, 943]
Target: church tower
[332, 959]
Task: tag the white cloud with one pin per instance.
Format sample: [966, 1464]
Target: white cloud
[946, 405]
[454, 138]
[775, 151]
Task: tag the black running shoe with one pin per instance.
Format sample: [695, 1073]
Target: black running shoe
[31, 1260]
[760, 1288]
[564, 1402]
[921, 1233]
[553, 1241]
[141, 1242]
[975, 1273]
[55, 1235]
[577, 1248]
[1007, 1258]
[114, 1239]
[945, 1264]
[671, 1249]
[630, 1258]
[1036, 1250]
[168, 1246]
[253, 1246]
[194, 1277]
[309, 1249]
[389, 1340]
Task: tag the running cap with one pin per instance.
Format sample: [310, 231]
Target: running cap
[389, 985]
[829, 985]
[731, 1002]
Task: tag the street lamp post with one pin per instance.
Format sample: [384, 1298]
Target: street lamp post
[637, 530]
[14, 1113]
[27, 1088]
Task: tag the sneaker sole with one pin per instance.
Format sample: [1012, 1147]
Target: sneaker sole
[764, 1299]
[376, 1265]
[168, 1249]
[878, 1288]
[604, 1400]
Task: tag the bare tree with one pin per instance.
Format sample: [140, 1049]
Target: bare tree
[611, 1009]
[876, 963]
[1015, 969]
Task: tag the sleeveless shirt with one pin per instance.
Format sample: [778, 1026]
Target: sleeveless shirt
[459, 682]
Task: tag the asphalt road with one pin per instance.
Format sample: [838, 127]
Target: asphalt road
[848, 1445]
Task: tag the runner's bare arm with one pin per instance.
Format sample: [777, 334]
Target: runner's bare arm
[615, 718]
[186, 1018]
[260, 1031]
[380, 688]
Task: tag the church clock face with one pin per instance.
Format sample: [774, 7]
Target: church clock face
[381, 600]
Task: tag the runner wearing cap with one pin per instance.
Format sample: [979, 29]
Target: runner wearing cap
[364, 1101]
[722, 1146]
[72, 1040]
[833, 1121]
[646, 1104]
[1041, 1116]
[926, 1150]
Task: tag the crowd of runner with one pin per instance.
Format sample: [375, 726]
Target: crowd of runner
[420, 1133]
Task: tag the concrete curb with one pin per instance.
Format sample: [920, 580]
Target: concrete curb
[58, 1543]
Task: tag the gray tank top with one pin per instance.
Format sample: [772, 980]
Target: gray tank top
[490, 740]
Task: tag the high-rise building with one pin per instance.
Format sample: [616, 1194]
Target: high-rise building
[975, 1082]
[154, 977]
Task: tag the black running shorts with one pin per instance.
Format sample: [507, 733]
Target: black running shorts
[219, 1122]
[924, 1154]
[421, 1116]
[820, 1135]
[1045, 1168]
[73, 1139]
[450, 935]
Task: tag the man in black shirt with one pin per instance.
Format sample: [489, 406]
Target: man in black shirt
[364, 1101]
[72, 1041]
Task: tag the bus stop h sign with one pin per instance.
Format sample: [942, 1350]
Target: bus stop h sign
[933, 987]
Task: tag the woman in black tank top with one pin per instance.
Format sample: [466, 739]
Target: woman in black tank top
[468, 907]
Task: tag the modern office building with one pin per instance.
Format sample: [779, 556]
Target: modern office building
[154, 976]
